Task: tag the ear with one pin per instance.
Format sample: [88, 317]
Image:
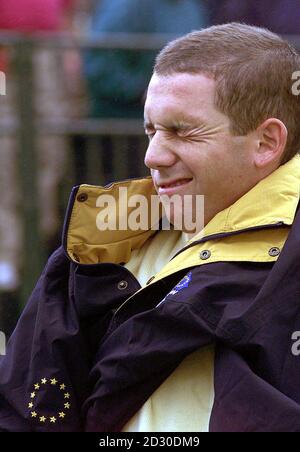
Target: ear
[272, 138]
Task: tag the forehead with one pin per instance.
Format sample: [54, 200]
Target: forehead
[180, 95]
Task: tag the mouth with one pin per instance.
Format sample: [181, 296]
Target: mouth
[173, 187]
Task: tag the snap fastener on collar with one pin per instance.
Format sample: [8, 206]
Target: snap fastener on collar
[122, 285]
[273, 252]
[205, 255]
[82, 197]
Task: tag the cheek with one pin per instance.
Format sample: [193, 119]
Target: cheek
[211, 173]
[216, 165]
[210, 160]
[192, 158]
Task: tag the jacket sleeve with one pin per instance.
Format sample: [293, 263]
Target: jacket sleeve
[44, 375]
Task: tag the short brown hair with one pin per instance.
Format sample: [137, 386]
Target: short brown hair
[253, 70]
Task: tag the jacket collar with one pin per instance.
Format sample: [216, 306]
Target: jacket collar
[272, 201]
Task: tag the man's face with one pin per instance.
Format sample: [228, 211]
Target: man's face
[191, 149]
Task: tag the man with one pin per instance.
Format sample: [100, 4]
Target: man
[209, 343]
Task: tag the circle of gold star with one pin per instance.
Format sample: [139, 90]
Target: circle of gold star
[43, 384]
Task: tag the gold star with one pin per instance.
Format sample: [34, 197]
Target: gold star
[53, 381]
[33, 414]
[43, 419]
[62, 387]
[30, 405]
[67, 405]
[44, 381]
[32, 395]
[62, 415]
[53, 419]
[67, 395]
[37, 387]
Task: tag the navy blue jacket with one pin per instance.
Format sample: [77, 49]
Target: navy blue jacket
[90, 350]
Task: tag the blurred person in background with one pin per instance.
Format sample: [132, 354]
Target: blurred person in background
[280, 16]
[52, 75]
[117, 79]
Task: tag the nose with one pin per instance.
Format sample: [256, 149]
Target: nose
[159, 153]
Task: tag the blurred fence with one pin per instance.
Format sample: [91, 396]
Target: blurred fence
[86, 163]
[126, 137]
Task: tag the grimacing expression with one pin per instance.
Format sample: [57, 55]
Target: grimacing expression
[191, 148]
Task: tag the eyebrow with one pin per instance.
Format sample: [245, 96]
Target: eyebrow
[183, 124]
[179, 125]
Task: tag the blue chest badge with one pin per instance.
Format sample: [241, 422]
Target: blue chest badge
[183, 284]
